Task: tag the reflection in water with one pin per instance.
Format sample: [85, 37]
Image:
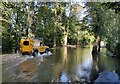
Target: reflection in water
[84, 72]
[64, 77]
[65, 56]
[68, 64]
[58, 69]
[102, 63]
[118, 64]
[28, 69]
[95, 68]
[84, 68]
[40, 57]
[106, 62]
[95, 62]
[75, 64]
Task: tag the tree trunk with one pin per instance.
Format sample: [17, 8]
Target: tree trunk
[77, 37]
[32, 18]
[54, 43]
[54, 40]
[65, 38]
[98, 39]
[10, 40]
[96, 47]
[97, 32]
[31, 23]
[28, 19]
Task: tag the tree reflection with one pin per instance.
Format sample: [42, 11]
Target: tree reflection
[117, 65]
[65, 56]
[95, 68]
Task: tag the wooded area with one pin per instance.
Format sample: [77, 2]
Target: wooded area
[59, 24]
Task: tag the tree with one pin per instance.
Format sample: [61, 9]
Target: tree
[13, 24]
[114, 36]
[94, 21]
[103, 22]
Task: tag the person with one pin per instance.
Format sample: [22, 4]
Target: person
[35, 53]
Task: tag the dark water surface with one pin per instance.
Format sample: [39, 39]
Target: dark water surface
[65, 65]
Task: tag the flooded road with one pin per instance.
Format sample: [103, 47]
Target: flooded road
[64, 65]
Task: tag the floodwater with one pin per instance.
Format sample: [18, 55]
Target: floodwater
[64, 65]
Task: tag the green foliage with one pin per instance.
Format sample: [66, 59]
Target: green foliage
[113, 5]
[104, 21]
[50, 22]
[13, 23]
